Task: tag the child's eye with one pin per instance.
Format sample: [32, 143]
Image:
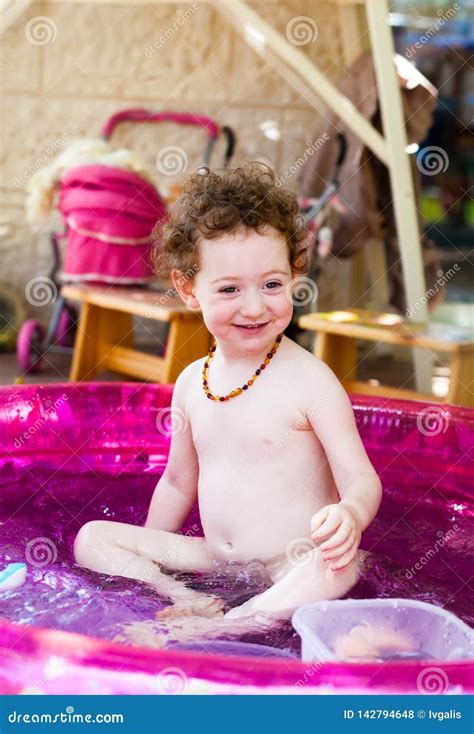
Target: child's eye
[273, 284]
[228, 289]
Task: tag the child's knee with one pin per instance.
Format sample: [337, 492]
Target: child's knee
[331, 584]
[340, 582]
[87, 540]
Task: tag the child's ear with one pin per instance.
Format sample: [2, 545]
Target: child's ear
[185, 287]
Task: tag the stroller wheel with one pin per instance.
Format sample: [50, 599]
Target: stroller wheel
[29, 346]
[64, 336]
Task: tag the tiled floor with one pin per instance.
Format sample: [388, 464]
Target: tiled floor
[54, 368]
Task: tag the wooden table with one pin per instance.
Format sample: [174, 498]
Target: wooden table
[338, 332]
[104, 339]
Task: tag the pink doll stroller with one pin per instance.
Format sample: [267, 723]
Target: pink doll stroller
[109, 214]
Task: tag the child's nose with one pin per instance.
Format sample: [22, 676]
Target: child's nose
[252, 305]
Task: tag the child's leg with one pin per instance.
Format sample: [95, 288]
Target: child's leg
[301, 584]
[135, 552]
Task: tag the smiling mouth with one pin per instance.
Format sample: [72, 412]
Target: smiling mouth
[251, 327]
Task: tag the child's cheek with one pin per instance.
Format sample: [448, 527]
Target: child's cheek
[284, 306]
[221, 309]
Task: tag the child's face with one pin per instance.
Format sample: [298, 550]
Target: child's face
[242, 288]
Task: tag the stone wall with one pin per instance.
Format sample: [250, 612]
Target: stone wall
[67, 66]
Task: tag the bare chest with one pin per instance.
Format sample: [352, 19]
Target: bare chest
[254, 424]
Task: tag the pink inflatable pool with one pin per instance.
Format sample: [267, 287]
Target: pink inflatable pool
[72, 453]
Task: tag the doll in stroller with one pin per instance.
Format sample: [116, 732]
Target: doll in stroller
[109, 207]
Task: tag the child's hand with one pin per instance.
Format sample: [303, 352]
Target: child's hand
[339, 527]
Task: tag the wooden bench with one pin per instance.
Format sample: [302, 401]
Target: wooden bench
[104, 339]
[336, 344]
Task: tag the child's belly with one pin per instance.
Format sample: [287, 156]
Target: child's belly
[255, 509]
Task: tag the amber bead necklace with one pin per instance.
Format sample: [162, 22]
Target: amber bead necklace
[249, 383]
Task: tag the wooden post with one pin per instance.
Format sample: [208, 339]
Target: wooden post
[186, 339]
[461, 381]
[400, 174]
[340, 353]
[99, 330]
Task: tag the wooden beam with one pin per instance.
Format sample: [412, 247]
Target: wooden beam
[10, 11]
[134, 363]
[269, 44]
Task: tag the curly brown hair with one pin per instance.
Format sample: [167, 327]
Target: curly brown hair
[215, 202]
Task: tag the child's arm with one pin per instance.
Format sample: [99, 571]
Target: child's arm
[359, 487]
[176, 491]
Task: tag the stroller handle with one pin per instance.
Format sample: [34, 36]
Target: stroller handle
[315, 205]
[230, 137]
[143, 115]
[341, 156]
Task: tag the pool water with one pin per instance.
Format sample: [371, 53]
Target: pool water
[420, 549]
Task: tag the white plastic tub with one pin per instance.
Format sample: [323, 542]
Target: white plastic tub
[381, 629]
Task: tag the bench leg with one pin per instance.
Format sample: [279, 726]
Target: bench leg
[339, 353]
[461, 383]
[188, 340]
[99, 330]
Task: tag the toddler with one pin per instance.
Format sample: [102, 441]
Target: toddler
[267, 442]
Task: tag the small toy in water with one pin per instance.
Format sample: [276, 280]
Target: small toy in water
[375, 630]
[13, 576]
[367, 643]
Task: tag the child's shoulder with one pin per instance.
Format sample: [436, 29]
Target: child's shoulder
[187, 382]
[189, 373]
[307, 368]
[301, 358]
